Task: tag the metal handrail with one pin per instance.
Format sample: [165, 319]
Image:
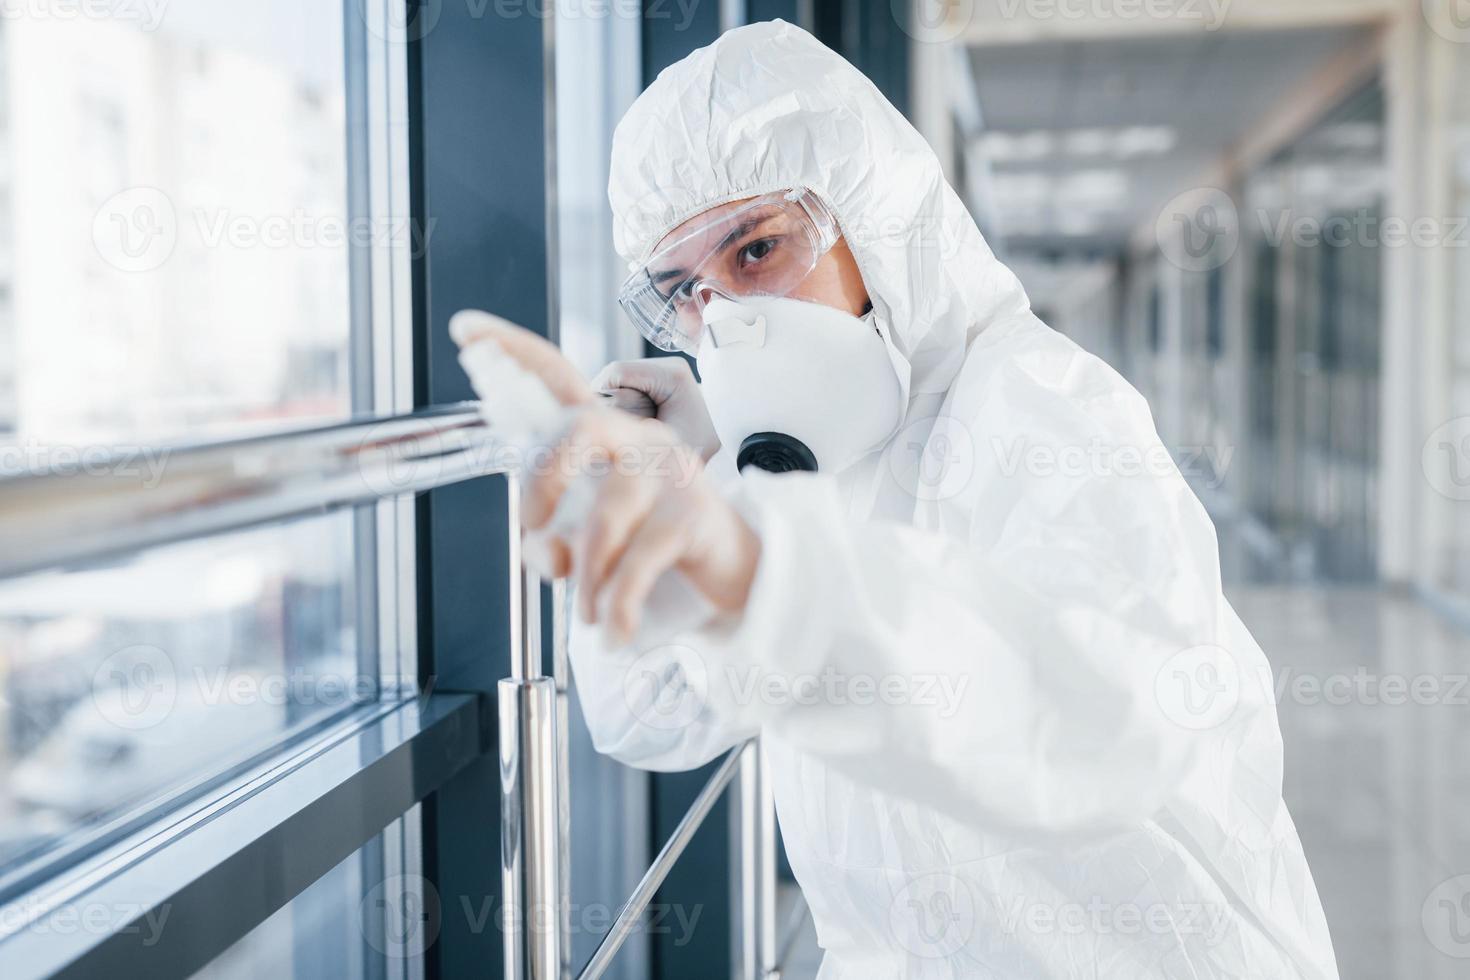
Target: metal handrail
[58, 520]
[643, 893]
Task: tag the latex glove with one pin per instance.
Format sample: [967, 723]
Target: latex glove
[655, 510]
[668, 383]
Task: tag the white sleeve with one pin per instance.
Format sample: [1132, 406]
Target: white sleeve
[659, 708]
[1006, 663]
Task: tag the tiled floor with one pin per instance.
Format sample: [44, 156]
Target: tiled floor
[1377, 773]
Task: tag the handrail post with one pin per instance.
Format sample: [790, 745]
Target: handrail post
[535, 903]
[754, 955]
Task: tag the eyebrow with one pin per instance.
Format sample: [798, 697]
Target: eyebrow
[739, 231]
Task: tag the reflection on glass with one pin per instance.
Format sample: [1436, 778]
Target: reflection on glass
[1456, 562]
[331, 931]
[174, 230]
[120, 683]
[1317, 242]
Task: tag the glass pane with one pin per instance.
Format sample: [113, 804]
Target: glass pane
[121, 683]
[174, 229]
[1455, 576]
[331, 931]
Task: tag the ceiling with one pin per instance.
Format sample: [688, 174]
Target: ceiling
[1087, 140]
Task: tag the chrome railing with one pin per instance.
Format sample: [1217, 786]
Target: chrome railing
[56, 520]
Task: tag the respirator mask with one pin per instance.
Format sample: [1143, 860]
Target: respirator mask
[789, 384]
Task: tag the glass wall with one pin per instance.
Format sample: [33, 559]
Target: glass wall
[119, 684]
[1455, 564]
[176, 255]
[1314, 240]
[174, 231]
[349, 925]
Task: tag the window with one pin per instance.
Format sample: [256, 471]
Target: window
[124, 683]
[350, 923]
[197, 199]
[174, 232]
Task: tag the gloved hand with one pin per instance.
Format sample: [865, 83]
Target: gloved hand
[670, 385]
[655, 510]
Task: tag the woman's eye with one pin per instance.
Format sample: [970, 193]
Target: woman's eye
[757, 250]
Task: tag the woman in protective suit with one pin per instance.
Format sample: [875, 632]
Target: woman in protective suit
[1014, 728]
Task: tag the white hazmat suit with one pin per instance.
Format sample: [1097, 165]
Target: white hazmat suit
[1014, 727]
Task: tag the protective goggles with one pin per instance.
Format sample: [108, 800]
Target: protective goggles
[762, 247]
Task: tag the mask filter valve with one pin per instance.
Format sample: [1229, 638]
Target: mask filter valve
[776, 452]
